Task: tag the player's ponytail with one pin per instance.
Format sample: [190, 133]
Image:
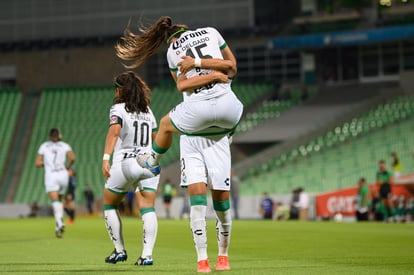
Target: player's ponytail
[139, 47]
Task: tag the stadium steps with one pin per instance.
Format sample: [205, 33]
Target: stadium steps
[341, 161]
[316, 129]
[10, 100]
[16, 151]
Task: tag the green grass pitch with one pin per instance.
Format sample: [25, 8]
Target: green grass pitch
[28, 246]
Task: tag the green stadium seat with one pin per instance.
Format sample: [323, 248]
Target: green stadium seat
[336, 163]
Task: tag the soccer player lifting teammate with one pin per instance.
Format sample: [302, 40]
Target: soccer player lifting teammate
[131, 129]
[202, 65]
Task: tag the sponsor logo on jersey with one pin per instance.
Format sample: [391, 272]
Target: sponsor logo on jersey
[183, 38]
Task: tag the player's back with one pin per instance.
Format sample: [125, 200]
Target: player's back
[200, 43]
[136, 130]
[54, 155]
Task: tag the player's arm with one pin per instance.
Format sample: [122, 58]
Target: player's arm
[186, 84]
[154, 133]
[111, 138]
[71, 156]
[391, 179]
[39, 161]
[227, 65]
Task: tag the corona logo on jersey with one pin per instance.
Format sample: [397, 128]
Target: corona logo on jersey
[183, 38]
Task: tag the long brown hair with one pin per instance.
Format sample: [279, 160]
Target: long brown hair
[139, 47]
[134, 92]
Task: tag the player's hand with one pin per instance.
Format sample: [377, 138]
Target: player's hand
[221, 77]
[105, 168]
[186, 64]
[70, 172]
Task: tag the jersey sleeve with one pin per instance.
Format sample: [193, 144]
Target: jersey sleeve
[41, 150]
[221, 42]
[153, 121]
[68, 148]
[115, 115]
[171, 64]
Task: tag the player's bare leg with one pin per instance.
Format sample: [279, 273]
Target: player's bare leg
[162, 140]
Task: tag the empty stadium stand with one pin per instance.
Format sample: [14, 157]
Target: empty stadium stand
[340, 157]
[10, 102]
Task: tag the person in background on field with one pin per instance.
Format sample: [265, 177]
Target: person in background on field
[69, 201]
[168, 192]
[384, 184]
[234, 193]
[399, 209]
[266, 206]
[282, 212]
[34, 208]
[363, 201]
[57, 158]
[396, 165]
[377, 209]
[303, 204]
[129, 201]
[89, 198]
[294, 205]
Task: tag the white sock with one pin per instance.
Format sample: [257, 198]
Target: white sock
[58, 213]
[199, 230]
[223, 230]
[114, 227]
[150, 228]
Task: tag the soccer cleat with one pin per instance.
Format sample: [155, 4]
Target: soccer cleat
[144, 261]
[116, 257]
[59, 232]
[222, 263]
[203, 266]
[143, 161]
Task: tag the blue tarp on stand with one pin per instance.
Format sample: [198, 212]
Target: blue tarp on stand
[343, 38]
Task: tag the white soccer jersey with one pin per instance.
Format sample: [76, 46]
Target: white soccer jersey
[202, 43]
[136, 130]
[54, 155]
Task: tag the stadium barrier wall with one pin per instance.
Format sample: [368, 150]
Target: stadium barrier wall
[343, 201]
[248, 208]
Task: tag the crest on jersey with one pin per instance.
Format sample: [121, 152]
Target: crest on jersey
[115, 120]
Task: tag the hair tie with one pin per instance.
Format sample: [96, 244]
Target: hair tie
[174, 34]
[117, 84]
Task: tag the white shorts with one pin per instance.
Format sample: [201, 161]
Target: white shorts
[57, 181]
[205, 160]
[127, 174]
[215, 116]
